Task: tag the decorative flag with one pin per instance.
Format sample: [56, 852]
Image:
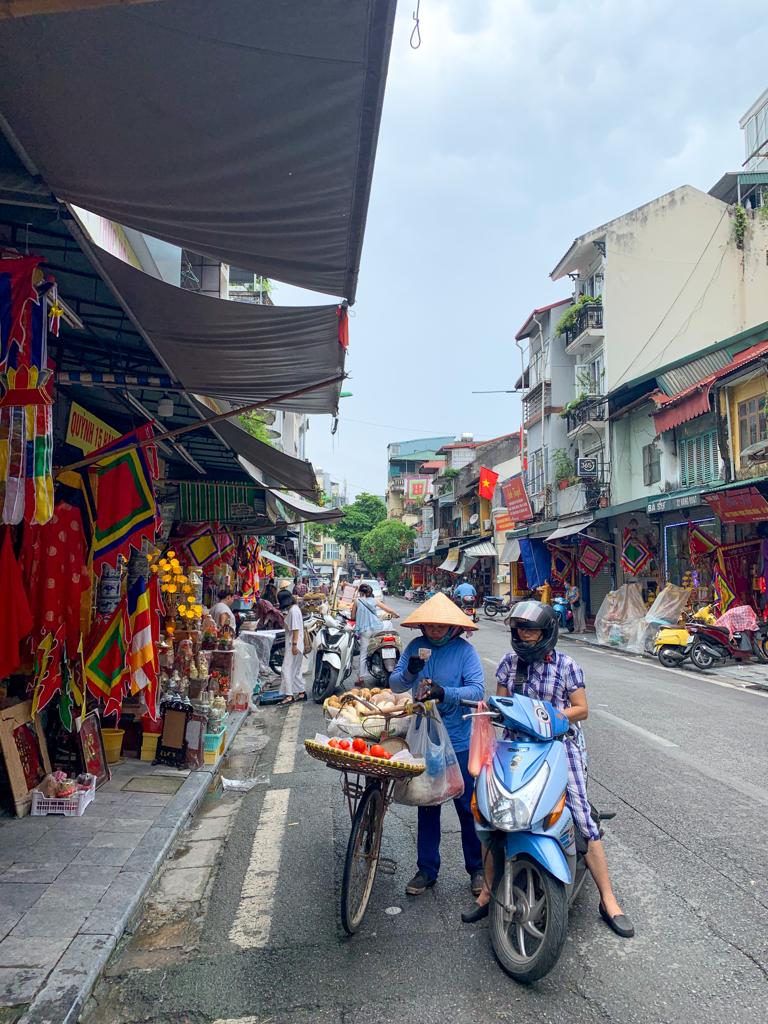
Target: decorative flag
[342, 312]
[122, 496]
[634, 554]
[723, 591]
[487, 484]
[141, 657]
[47, 673]
[66, 698]
[591, 558]
[700, 542]
[106, 663]
[562, 563]
[15, 613]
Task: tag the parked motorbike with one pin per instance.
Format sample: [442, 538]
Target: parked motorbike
[493, 606]
[384, 650]
[562, 608]
[524, 821]
[334, 652]
[672, 645]
[712, 645]
[468, 605]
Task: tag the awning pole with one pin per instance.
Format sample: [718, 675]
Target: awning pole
[218, 418]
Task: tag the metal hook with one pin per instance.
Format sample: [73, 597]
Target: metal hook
[415, 40]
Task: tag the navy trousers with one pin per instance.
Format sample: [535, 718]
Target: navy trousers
[428, 841]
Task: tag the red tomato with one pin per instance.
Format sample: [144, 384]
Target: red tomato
[343, 744]
[378, 751]
[333, 743]
[386, 755]
[360, 746]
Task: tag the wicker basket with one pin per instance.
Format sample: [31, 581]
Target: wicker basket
[363, 764]
[396, 721]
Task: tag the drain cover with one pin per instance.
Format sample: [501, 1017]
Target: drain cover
[153, 784]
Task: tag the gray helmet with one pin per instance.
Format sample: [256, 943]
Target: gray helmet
[533, 615]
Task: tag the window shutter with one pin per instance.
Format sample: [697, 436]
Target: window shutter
[647, 464]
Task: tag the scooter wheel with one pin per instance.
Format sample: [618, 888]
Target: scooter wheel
[668, 657]
[702, 657]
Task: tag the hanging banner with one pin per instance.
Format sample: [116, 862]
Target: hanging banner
[516, 499]
[591, 558]
[86, 431]
[487, 483]
[503, 522]
[744, 505]
[634, 554]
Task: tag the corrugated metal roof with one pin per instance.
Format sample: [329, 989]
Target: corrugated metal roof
[682, 377]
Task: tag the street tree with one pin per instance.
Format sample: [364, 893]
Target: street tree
[365, 512]
[383, 548]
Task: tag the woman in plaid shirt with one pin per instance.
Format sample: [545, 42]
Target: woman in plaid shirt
[535, 669]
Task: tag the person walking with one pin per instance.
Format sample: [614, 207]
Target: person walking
[573, 596]
[293, 659]
[367, 623]
[452, 673]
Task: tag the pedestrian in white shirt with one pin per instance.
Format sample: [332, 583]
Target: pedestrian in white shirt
[293, 683]
[222, 613]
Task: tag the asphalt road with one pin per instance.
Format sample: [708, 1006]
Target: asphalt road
[682, 759]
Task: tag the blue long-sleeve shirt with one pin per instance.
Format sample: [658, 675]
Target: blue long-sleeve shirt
[456, 667]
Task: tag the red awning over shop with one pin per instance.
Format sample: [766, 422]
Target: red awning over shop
[741, 505]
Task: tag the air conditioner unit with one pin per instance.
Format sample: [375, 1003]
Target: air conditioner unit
[486, 524]
[587, 469]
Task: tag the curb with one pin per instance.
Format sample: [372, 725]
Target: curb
[70, 983]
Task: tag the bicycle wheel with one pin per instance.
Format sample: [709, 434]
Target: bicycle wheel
[362, 858]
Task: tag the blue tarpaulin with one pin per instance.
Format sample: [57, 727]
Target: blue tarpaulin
[537, 562]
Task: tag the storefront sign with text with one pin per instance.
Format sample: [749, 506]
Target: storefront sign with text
[516, 500]
[86, 431]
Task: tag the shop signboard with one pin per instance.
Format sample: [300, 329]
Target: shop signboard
[672, 504]
[86, 431]
[744, 505]
[516, 500]
[503, 522]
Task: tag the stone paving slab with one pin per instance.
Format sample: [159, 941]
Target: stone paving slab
[70, 886]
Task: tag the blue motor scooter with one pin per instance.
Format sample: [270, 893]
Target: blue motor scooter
[533, 851]
[562, 609]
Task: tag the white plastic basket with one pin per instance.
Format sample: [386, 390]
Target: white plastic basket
[70, 806]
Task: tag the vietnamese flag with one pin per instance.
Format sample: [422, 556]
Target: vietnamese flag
[487, 483]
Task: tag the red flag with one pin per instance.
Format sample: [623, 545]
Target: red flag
[523, 455]
[14, 608]
[487, 483]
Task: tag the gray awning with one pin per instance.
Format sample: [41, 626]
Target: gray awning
[245, 131]
[288, 506]
[277, 559]
[467, 563]
[276, 467]
[235, 350]
[511, 552]
[483, 549]
[570, 529]
[450, 563]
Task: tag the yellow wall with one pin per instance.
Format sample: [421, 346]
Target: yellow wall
[737, 394]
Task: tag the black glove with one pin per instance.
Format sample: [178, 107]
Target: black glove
[415, 665]
[433, 691]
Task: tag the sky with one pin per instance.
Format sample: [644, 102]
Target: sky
[516, 126]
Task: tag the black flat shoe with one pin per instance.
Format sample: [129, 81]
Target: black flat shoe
[620, 924]
[476, 914]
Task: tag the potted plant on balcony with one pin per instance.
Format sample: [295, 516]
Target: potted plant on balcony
[570, 318]
[565, 471]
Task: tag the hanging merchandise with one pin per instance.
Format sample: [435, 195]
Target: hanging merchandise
[700, 542]
[591, 558]
[106, 661]
[143, 654]
[723, 591]
[562, 563]
[15, 613]
[737, 563]
[634, 554]
[26, 393]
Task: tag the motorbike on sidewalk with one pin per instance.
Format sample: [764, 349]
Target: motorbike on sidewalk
[334, 651]
[384, 650]
[493, 606]
[672, 645]
[537, 854]
[562, 608]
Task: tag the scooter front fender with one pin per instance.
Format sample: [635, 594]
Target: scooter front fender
[545, 850]
[333, 660]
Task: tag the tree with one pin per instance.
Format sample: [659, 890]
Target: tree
[385, 545]
[365, 512]
[254, 423]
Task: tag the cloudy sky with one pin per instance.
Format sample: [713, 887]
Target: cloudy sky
[516, 126]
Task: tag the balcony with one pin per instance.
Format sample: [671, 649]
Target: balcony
[591, 411]
[396, 483]
[536, 401]
[587, 329]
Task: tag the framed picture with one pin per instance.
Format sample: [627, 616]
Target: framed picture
[25, 754]
[92, 752]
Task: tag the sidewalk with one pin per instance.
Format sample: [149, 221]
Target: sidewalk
[69, 886]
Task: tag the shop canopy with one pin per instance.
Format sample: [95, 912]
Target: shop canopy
[481, 549]
[738, 505]
[450, 563]
[511, 552]
[570, 529]
[243, 131]
[289, 506]
[278, 559]
[240, 351]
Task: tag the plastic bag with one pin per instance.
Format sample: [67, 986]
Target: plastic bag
[618, 617]
[428, 739]
[482, 744]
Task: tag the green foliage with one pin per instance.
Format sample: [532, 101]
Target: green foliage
[563, 465]
[739, 226]
[571, 315]
[365, 512]
[384, 546]
[254, 423]
[449, 474]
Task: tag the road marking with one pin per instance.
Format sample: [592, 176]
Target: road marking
[251, 926]
[492, 661]
[285, 757]
[239, 1020]
[624, 724]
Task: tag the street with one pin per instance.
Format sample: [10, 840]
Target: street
[680, 758]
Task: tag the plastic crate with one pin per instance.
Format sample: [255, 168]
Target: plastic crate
[70, 806]
[214, 746]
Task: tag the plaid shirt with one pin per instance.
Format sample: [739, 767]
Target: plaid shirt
[738, 620]
[553, 680]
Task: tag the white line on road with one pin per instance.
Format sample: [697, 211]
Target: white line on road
[239, 1020]
[285, 756]
[250, 929]
[631, 727]
[492, 661]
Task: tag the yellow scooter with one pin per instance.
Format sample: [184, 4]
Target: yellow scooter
[672, 644]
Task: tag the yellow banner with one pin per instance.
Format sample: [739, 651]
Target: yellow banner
[86, 431]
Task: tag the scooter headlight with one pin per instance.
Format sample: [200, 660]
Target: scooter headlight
[512, 812]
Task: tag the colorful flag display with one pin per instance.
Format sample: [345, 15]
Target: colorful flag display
[487, 483]
[725, 596]
[562, 562]
[141, 657]
[106, 663]
[591, 558]
[699, 541]
[634, 554]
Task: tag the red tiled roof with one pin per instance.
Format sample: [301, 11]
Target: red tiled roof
[433, 464]
[476, 444]
[542, 309]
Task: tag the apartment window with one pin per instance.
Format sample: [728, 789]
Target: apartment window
[752, 421]
[699, 459]
[651, 464]
[537, 471]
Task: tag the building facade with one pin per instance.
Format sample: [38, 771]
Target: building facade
[406, 484]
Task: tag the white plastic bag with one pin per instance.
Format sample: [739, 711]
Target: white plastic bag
[428, 739]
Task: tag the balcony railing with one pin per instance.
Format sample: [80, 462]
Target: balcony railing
[591, 410]
[590, 319]
[395, 483]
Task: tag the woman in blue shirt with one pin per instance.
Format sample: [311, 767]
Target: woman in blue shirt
[450, 672]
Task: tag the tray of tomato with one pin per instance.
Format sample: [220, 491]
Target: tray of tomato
[366, 758]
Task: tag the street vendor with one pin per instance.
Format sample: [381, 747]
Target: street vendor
[441, 666]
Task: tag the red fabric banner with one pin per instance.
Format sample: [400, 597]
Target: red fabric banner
[516, 499]
[742, 505]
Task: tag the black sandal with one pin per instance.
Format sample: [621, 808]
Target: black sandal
[300, 697]
[288, 699]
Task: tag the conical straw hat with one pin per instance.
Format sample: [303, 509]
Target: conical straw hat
[438, 611]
